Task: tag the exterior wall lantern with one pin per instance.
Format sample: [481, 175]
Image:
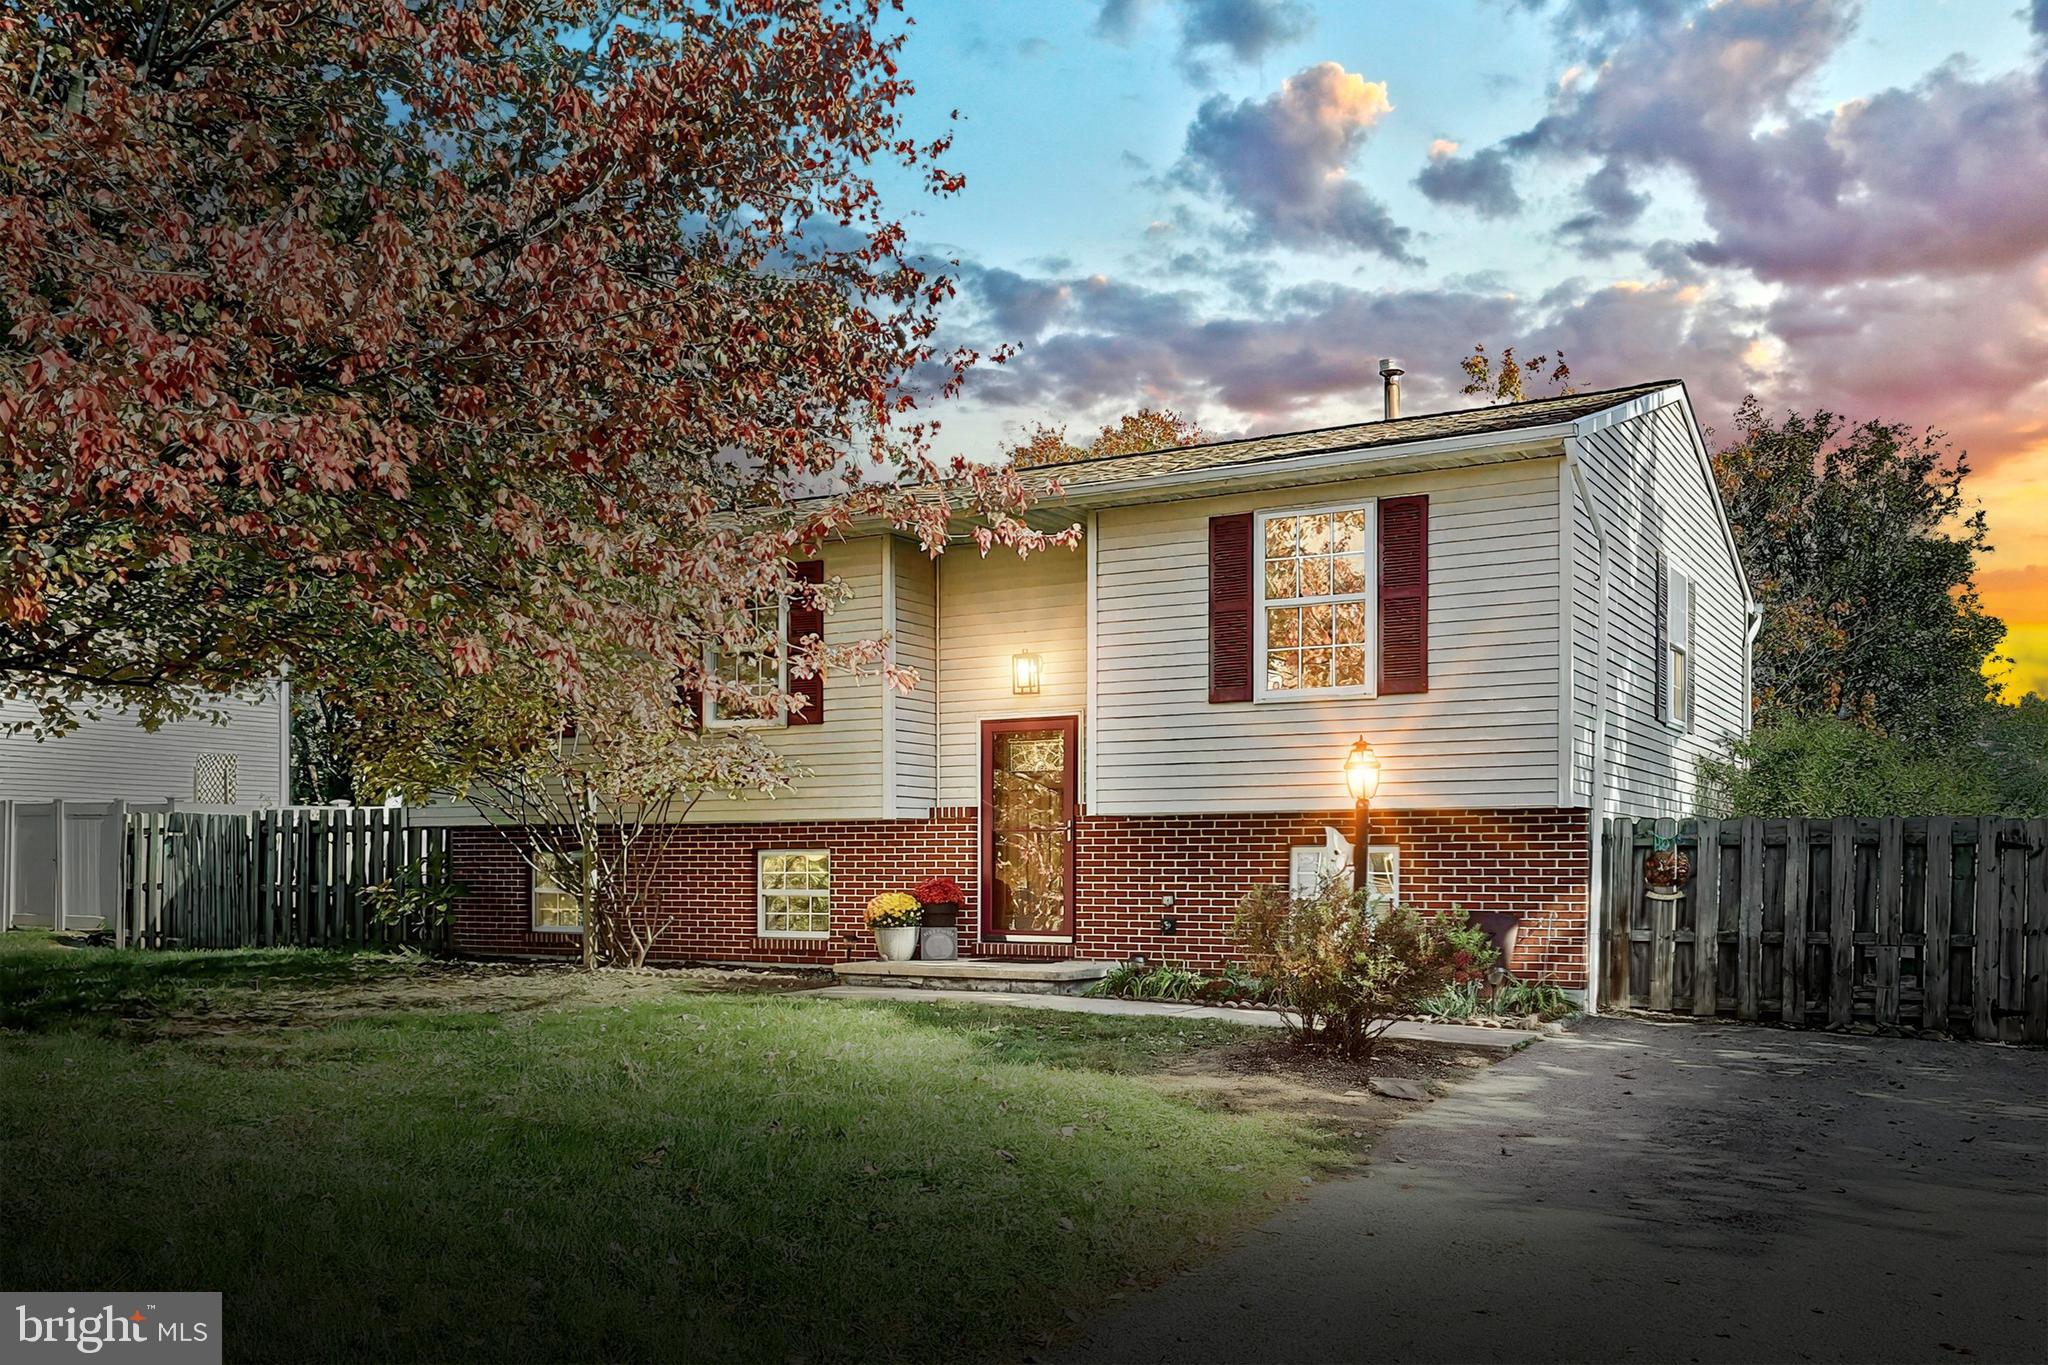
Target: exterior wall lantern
[1362, 780]
[1024, 674]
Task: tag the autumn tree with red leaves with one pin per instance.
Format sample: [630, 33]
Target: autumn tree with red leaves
[499, 332]
[486, 363]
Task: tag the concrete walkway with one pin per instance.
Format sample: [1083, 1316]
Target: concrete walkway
[1459, 1035]
[1658, 1191]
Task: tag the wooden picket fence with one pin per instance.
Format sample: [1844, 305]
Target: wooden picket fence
[293, 877]
[1929, 922]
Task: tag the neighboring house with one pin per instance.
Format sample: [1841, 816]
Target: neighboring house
[1533, 612]
[242, 760]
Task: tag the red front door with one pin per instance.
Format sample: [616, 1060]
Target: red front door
[1027, 828]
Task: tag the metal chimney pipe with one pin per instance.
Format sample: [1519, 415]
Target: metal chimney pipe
[1390, 386]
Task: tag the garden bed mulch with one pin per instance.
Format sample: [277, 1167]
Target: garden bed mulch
[1271, 1075]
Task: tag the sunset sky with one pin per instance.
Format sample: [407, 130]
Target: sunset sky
[1234, 207]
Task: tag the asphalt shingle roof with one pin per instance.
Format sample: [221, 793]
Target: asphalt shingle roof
[1077, 476]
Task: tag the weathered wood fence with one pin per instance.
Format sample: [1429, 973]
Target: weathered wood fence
[1931, 923]
[295, 877]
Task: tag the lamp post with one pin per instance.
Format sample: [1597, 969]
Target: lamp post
[1362, 779]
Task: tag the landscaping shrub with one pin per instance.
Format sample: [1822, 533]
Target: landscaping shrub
[1163, 981]
[1236, 983]
[1539, 998]
[1342, 972]
[1472, 949]
[1456, 1002]
[1515, 999]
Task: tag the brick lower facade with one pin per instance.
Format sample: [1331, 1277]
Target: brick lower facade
[1531, 861]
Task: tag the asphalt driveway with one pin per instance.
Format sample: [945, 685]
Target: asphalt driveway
[1658, 1191]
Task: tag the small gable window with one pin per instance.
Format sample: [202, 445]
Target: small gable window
[1678, 669]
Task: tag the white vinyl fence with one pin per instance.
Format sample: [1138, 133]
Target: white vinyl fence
[60, 861]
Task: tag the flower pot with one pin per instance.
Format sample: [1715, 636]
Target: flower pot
[1666, 872]
[896, 945]
[939, 939]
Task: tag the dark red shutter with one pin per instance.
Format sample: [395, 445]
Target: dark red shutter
[1230, 608]
[1404, 594]
[806, 619]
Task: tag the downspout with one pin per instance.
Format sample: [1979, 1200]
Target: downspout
[1596, 783]
[889, 707]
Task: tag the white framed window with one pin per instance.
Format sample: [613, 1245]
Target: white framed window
[555, 910]
[793, 890]
[1313, 631]
[1311, 867]
[762, 669]
[1676, 703]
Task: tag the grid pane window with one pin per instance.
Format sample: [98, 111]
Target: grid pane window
[554, 895]
[795, 893]
[757, 668]
[1313, 585]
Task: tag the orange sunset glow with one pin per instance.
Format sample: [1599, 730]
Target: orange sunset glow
[2014, 580]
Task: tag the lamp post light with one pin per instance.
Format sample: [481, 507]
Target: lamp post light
[1362, 779]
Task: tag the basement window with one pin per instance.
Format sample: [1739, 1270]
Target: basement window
[555, 909]
[793, 891]
[1311, 867]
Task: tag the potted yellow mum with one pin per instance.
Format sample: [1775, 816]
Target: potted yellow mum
[895, 916]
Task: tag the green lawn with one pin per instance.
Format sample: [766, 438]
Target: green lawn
[597, 1174]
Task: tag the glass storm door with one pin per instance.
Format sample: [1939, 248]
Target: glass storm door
[1027, 803]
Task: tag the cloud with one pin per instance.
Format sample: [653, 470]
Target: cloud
[1689, 93]
[1904, 235]
[1018, 307]
[1311, 354]
[1948, 177]
[1611, 208]
[1483, 182]
[1282, 162]
[1968, 354]
[1244, 30]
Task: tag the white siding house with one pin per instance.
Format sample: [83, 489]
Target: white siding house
[1651, 491]
[62, 800]
[191, 761]
[1533, 612]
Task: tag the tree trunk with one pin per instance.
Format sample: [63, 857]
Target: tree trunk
[587, 900]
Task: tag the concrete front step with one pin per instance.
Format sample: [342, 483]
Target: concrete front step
[977, 974]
